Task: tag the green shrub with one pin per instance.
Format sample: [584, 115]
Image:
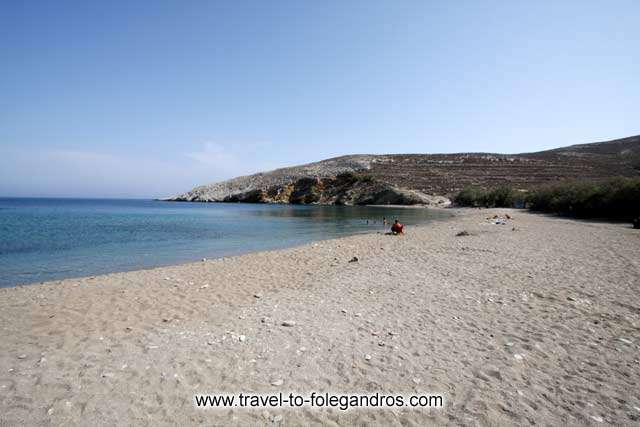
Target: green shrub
[616, 198]
[470, 196]
[612, 198]
[500, 197]
[353, 177]
[347, 176]
[366, 178]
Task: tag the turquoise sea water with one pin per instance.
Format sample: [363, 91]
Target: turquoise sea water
[49, 239]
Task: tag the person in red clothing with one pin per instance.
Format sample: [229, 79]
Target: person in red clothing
[397, 228]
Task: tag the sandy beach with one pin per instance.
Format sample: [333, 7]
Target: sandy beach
[532, 322]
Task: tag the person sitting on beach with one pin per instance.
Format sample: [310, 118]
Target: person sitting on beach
[397, 228]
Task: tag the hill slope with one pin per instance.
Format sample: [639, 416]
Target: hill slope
[421, 178]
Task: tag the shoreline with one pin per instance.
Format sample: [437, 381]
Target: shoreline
[512, 326]
[230, 254]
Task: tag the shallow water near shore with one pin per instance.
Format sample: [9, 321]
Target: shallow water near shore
[51, 239]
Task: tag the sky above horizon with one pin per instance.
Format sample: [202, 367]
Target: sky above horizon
[150, 98]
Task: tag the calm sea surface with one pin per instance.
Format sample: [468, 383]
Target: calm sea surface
[48, 239]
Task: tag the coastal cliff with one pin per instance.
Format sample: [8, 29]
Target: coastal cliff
[346, 188]
[421, 179]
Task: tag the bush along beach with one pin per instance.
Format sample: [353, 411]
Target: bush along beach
[501, 197]
[614, 198]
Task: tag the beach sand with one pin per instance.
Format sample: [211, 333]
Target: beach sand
[540, 324]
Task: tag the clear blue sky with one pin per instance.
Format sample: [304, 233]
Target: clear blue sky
[149, 98]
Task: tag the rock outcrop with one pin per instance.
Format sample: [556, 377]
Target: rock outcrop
[347, 188]
[421, 179]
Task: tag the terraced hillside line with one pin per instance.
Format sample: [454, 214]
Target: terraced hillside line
[421, 178]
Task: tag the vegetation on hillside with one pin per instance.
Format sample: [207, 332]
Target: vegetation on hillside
[354, 177]
[611, 198]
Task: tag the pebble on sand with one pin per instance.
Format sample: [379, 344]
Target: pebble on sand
[289, 323]
[367, 357]
[22, 356]
[277, 383]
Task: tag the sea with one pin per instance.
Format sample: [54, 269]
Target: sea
[45, 239]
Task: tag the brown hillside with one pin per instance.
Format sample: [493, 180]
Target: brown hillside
[416, 178]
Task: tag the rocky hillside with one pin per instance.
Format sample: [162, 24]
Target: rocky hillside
[421, 178]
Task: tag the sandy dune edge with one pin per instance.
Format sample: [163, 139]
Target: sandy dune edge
[540, 324]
